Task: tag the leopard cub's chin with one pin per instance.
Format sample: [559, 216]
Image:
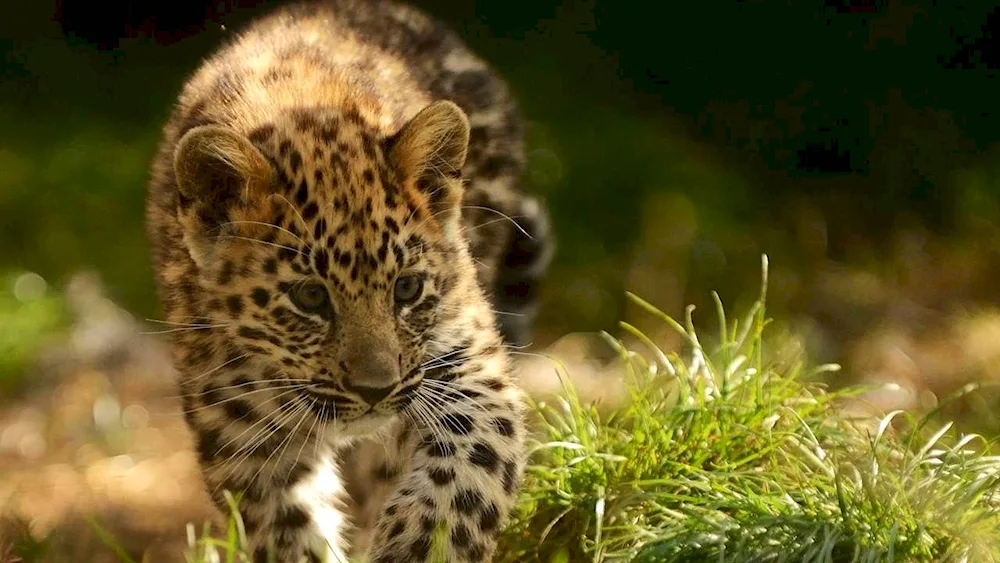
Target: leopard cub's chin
[365, 425]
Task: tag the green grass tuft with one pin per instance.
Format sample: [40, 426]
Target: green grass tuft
[727, 455]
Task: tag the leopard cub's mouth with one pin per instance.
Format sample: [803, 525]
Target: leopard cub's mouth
[331, 402]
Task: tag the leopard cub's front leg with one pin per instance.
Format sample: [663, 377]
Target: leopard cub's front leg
[463, 476]
[286, 487]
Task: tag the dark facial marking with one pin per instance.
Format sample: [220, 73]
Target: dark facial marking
[503, 426]
[238, 409]
[225, 273]
[208, 445]
[261, 134]
[458, 423]
[476, 552]
[296, 473]
[260, 297]
[291, 517]
[211, 395]
[320, 229]
[322, 261]
[484, 456]
[460, 536]
[310, 211]
[495, 384]
[467, 501]
[235, 304]
[420, 547]
[441, 475]
[489, 519]
[440, 449]
[386, 472]
[284, 147]
[302, 194]
[257, 334]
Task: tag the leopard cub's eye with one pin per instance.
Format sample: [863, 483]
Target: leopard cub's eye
[408, 288]
[311, 297]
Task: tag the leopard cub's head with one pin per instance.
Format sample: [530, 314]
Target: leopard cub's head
[333, 255]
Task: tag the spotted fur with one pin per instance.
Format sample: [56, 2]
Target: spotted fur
[326, 243]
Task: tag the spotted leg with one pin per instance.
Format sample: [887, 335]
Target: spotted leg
[464, 473]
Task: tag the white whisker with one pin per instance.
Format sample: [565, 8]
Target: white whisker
[282, 229]
[182, 329]
[276, 245]
[246, 394]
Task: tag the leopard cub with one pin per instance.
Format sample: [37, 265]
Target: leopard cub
[327, 217]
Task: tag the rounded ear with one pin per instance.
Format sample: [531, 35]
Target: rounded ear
[221, 178]
[430, 150]
[218, 166]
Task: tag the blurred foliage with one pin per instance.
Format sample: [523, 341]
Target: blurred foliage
[28, 315]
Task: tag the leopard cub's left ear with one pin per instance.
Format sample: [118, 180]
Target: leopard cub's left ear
[430, 151]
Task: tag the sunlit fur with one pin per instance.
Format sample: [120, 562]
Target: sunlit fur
[317, 148]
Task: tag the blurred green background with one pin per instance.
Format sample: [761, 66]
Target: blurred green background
[853, 141]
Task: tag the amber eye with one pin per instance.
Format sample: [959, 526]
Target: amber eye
[408, 289]
[311, 297]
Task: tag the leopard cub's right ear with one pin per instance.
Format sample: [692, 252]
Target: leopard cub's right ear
[220, 168]
[223, 182]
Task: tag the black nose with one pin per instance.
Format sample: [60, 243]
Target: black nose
[371, 395]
